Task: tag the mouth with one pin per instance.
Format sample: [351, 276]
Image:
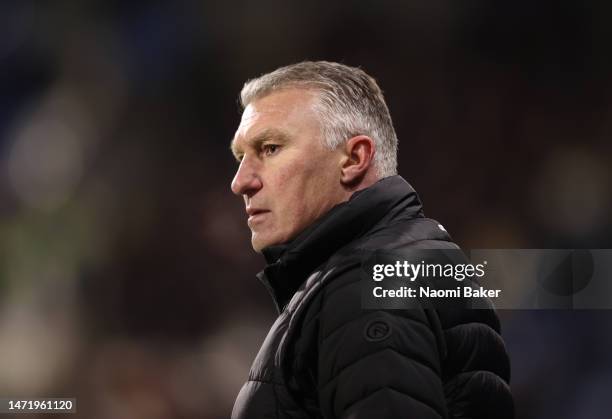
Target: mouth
[256, 215]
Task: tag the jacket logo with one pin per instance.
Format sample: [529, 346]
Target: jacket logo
[377, 330]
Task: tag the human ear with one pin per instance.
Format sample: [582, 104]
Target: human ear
[358, 159]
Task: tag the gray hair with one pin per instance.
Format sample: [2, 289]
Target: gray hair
[349, 103]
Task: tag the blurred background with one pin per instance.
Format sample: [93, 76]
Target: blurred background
[126, 272]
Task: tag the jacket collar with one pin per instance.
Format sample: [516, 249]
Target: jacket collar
[290, 264]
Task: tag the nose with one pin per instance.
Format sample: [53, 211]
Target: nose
[246, 181]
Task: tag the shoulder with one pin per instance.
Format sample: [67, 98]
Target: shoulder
[419, 232]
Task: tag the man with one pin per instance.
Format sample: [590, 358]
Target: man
[317, 171]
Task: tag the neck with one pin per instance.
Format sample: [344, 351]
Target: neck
[363, 182]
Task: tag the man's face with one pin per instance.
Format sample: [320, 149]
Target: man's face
[287, 177]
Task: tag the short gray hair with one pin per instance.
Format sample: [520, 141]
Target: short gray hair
[349, 103]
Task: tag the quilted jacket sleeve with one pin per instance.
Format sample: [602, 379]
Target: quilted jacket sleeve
[404, 364]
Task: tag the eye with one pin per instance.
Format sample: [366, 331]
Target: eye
[269, 149]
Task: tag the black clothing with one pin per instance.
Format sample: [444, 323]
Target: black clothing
[324, 357]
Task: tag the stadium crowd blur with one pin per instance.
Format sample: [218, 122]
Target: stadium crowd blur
[126, 272]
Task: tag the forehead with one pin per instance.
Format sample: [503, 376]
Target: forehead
[288, 111]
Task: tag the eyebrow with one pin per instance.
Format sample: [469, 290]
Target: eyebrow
[269, 134]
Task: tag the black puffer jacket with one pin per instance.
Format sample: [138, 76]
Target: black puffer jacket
[326, 357]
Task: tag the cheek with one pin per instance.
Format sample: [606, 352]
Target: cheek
[288, 180]
[298, 189]
[291, 194]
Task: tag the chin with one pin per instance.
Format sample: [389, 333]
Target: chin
[257, 246]
[258, 242]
